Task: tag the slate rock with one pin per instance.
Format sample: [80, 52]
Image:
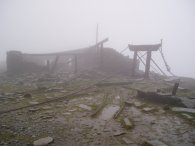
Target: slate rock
[43, 141]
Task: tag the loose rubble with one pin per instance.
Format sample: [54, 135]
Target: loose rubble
[43, 141]
[107, 114]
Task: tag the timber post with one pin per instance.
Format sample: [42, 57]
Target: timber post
[147, 68]
[134, 63]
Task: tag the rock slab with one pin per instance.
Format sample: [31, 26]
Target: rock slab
[186, 110]
[43, 141]
[127, 123]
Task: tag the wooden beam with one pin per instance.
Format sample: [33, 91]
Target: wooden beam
[147, 68]
[154, 47]
[75, 64]
[134, 63]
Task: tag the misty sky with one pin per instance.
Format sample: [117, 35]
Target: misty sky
[37, 26]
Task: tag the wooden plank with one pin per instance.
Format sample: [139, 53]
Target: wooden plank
[147, 68]
[154, 47]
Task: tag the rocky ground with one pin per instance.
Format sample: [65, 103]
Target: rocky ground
[72, 110]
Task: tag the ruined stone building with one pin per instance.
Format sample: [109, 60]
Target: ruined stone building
[93, 57]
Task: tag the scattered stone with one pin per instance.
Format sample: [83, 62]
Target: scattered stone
[193, 140]
[127, 141]
[72, 110]
[187, 116]
[148, 109]
[185, 110]
[118, 133]
[27, 95]
[138, 104]
[46, 107]
[48, 97]
[59, 105]
[46, 117]
[84, 107]
[161, 111]
[166, 107]
[108, 112]
[129, 102]
[5, 126]
[43, 141]
[127, 123]
[33, 102]
[153, 143]
[54, 89]
[65, 114]
[106, 130]
[152, 123]
[33, 109]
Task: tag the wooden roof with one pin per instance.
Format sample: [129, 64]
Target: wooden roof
[73, 52]
[153, 47]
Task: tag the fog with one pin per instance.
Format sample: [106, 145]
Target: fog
[39, 26]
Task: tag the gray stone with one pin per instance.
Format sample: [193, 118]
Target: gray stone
[148, 109]
[138, 104]
[43, 141]
[84, 107]
[46, 107]
[185, 110]
[155, 143]
[127, 141]
[127, 123]
[118, 133]
[27, 95]
[33, 102]
[33, 109]
[66, 114]
[187, 116]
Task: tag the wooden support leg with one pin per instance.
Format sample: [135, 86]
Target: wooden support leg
[147, 68]
[175, 87]
[75, 64]
[134, 63]
[55, 64]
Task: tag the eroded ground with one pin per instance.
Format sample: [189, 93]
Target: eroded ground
[88, 118]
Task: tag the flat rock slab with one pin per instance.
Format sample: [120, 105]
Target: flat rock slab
[33, 102]
[84, 107]
[46, 107]
[127, 123]
[154, 143]
[186, 110]
[118, 133]
[33, 109]
[127, 141]
[138, 104]
[148, 109]
[66, 114]
[187, 116]
[43, 141]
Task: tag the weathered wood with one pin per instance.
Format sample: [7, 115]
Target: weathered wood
[134, 63]
[75, 64]
[154, 47]
[175, 87]
[147, 69]
[159, 98]
[55, 64]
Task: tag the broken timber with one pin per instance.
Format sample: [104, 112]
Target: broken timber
[160, 98]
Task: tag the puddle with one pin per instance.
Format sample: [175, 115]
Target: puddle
[108, 112]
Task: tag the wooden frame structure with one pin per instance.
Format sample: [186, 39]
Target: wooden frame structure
[146, 48]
